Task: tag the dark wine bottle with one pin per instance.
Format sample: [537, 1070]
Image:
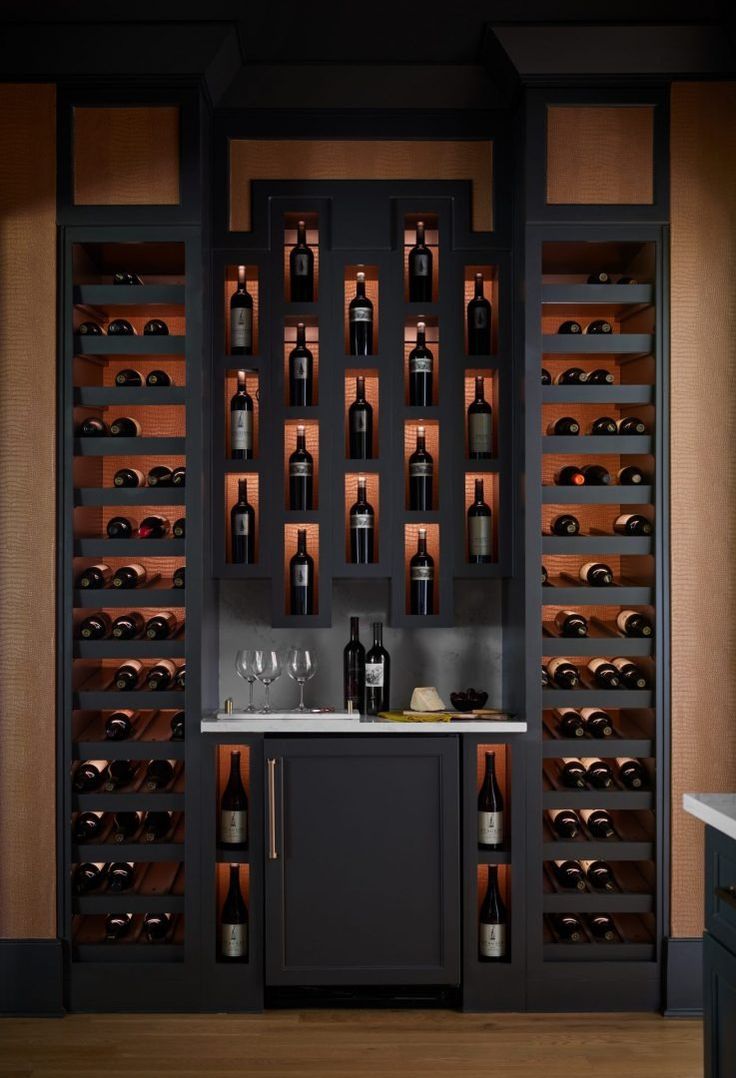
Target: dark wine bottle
[88, 776]
[565, 524]
[571, 623]
[155, 327]
[353, 669]
[241, 318]
[156, 926]
[546, 377]
[493, 919]
[128, 626]
[570, 326]
[120, 876]
[631, 424]
[545, 579]
[119, 725]
[627, 280]
[179, 477]
[564, 823]
[599, 325]
[128, 676]
[92, 427]
[599, 278]
[600, 377]
[480, 317]
[125, 427]
[126, 278]
[545, 678]
[597, 723]
[301, 577]
[568, 927]
[178, 579]
[632, 623]
[599, 823]
[234, 807]
[596, 574]
[563, 673]
[569, 476]
[120, 528]
[88, 877]
[179, 529]
[421, 578]
[598, 773]
[631, 773]
[569, 875]
[88, 329]
[161, 676]
[362, 527]
[480, 529]
[159, 378]
[133, 575]
[565, 425]
[178, 726]
[87, 826]
[234, 920]
[360, 320]
[421, 474]
[156, 826]
[573, 376]
[599, 875]
[301, 371]
[241, 421]
[421, 371]
[602, 928]
[160, 476]
[159, 775]
[180, 678]
[572, 775]
[420, 269]
[128, 377]
[120, 327]
[128, 477]
[95, 626]
[301, 268]
[162, 626]
[603, 426]
[569, 723]
[480, 425]
[631, 673]
[360, 424]
[95, 576]
[632, 524]
[301, 473]
[242, 528]
[630, 477]
[604, 673]
[490, 808]
[377, 674]
[596, 475]
[155, 527]
[119, 774]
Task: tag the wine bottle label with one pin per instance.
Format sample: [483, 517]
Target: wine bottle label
[492, 941]
[420, 364]
[234, 941]
[419, 469]
[241, 327]
[421, 265]
[422, 572]
[301, 264]
[479, 534]
[233, 826]
[479, 432]
[241, 430]
[299, 368]
[300, 576]
[480, 317]
[374, 675]
[359, 422]
[490, 828]
[361, 314]
[298, 468]
[361, 520]
[242, 524]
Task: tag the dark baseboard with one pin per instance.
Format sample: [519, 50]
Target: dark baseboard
[684, 978]
[31, 978]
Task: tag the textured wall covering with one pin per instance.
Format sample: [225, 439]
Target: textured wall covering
[703, 401]
[27, 509]
[352, 160]
[126, 156]
[598, 154]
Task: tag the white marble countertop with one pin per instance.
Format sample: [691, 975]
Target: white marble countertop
[340, 722]
[716, 810]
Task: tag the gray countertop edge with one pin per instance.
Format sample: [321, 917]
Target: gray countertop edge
[715, 810]
[223, 723]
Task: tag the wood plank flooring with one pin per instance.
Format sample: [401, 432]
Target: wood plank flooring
[343, 1044]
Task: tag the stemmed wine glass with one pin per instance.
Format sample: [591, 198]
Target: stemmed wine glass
[267, 668]
[302, 666]
[244, 667]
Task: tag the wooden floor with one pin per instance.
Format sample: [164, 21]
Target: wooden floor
[340, 1044]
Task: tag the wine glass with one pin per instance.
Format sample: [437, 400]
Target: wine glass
[302, 666]
[267, 668]
[244, 667]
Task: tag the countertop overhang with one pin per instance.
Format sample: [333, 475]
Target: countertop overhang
[288, 722]
[715, 810]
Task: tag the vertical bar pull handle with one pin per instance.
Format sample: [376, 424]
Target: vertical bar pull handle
[271, 779]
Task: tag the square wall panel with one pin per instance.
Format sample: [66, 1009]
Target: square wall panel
[600, 155]
[126, 156]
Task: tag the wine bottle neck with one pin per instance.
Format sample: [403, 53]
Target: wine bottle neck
[354, 630]
[479, 287]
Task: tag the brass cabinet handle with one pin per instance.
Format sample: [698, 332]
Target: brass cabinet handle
[271, 775]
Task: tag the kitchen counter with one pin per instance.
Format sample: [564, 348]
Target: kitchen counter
[340, 722]
[715, 810]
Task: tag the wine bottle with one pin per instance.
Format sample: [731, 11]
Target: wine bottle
[241, 421]
[128, 477]
[178, 579]
[120, 876]
[155, 327]
[570, 326]
[156, 926]
[598, 773]
[492, 932]
[568, 927]
[88, 776]
[95, 576]
[301, 577]
[569, 476]
[120, 327]
[180, 678]
[564, 822]
[634, 624]
[117, 926]
[545, 679]
[92, 427]
[604, 673]
[569, 875]
[421, 371]
[159, 379]
[572, 775]
[179, 529]
[119, 774]
[128, 377]
[631, 424]
[128, 675]
[573, 376]
[480, 425]
[421, 473]
[630, 476]
[301, 267]
[88, 877]
[128, 626]
[154, 528]
[234, 920]
[156, 826]
[360, 320]
[597, 723]
[119, 725]
[161, 676]
[125, 427]
[603, 426]
[599, 325]
[631, 773]
[565, 425]
[596, 574]
[134, 575]
[241, 318]
[87, 826]
[179, 477]
[242, 528]
[88, 329]
[563, 673]
[598, 822]
[234, 807]
[160, 476]
[599, 875]
[95, 627]
[301, 473]
[177, 725]
[565, 524]
[120, 528]
[480, 528]
[420, 269]
[301, 371]
[571, 623]
[602, 928]
[162, 626]
[632, 524]
[569, 723]
[353, 667]
[362, 521]
[546, 377]
[377, 674]
[600, 377]
[631, 673]
[490, 808]
[480, 317]
[596, 475]
[125, 278]
[421, 578]
[545, 579]
[599, 278]
[159, 775]
[360, 424]
[627, 280]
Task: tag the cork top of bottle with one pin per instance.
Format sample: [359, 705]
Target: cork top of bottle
[360, 276]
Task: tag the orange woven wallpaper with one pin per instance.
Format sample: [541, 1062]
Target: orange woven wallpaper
[600, 154]
[27, 509]
[126, 156]
[703, 416]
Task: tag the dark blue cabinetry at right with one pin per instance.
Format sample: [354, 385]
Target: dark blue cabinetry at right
[719, 956]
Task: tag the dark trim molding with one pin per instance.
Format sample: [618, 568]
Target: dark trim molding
[31, 978]
[683, 997]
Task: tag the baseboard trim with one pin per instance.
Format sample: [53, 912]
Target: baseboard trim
[684, 978]
[31, 978]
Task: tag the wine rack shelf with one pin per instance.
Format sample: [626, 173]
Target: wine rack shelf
[608, 344]
[598, 799]
[585, 394]
[588, 443]
[612, 297]
[129, 447]
[593, 645]
[578, 594]
[110, 297]
[158, 594]
[129, 346]
[129, 548]
[129, 802]
[597, 544]
[130, 496]
[129, 649]
[128, 903]
[640, 494]
[127, 851]
[107, 396]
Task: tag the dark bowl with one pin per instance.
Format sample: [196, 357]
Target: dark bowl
[470, 700]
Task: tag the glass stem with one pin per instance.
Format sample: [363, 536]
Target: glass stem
[301, 696]
[267, 705]
[251, 684]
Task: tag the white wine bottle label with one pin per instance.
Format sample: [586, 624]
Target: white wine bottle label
[492, 941]
[361, 314]
[299, 468]
[374, 675]
[301, 264]
[479, 432]
[241, 327]
[300, 576]
[479, 530]
[361, 520]
[299, 370]
[242, 524]
[480, 317]
[420, 469]
[420, 364]
[234, 941]
[241, 430]
[490, 828]
[421, 265]
[233, 826]
[422, 572]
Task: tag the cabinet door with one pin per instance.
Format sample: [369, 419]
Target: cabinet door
[719, 1005]
[362, 860]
